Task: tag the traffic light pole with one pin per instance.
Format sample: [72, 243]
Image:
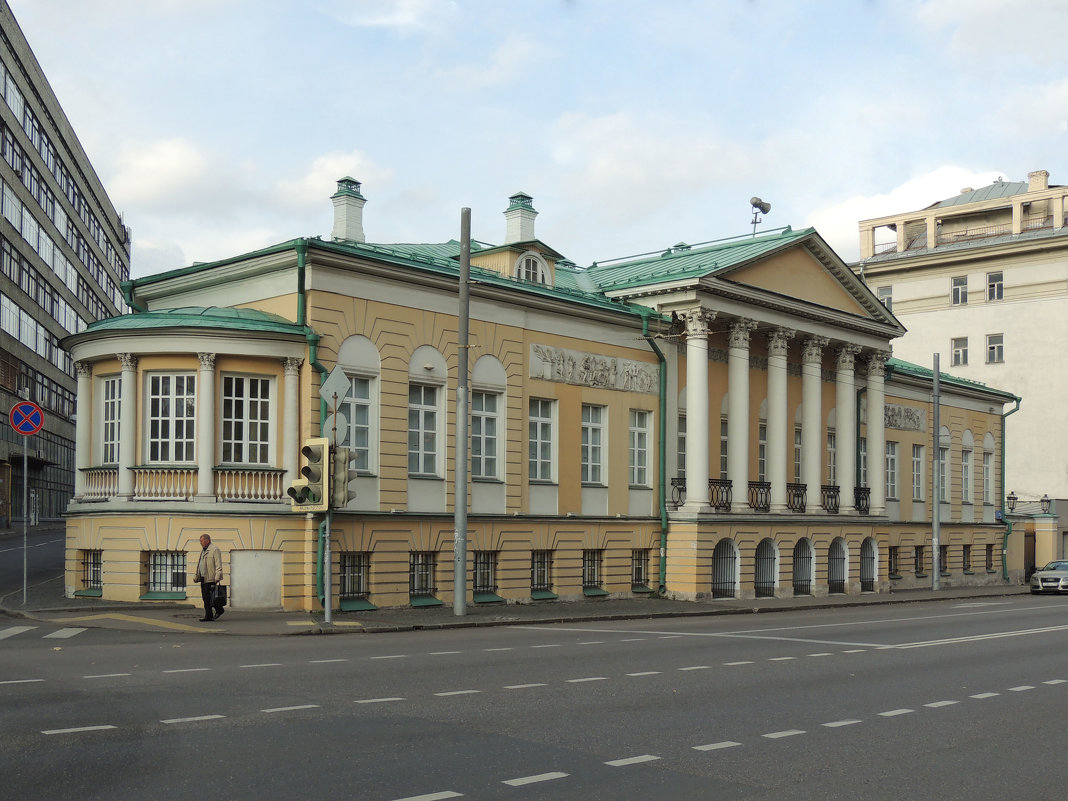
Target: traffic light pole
[459, 585]
[328, 607]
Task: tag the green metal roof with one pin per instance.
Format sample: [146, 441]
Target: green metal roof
[200, 317]
[915, 370]
[683, 261]
[998, 189]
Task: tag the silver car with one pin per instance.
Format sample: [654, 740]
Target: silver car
[1052, 578]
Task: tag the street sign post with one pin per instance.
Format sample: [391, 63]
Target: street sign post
[27, 418]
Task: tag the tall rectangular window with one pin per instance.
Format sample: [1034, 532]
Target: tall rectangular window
[891, 470]
[917, 473]
[541, 570]
[591, 568]
[592, 444]
[723, 448]
[355, 575]
[966, 476]
[988, 477]
[960, 351]
[92, 569]
[989, 558]
[171, 418]
[540, 440]
[832, 458]
[166, 571]
[797, 454]
[995, 286]
[862, 456]
[638, 448]
[358, 403]
[943, 475]
[110, 423]
[966, 558]
[893, 561]
[422, 430]
[484, 434]
[886, 297]
[485, 571]
[421, 573]
[919, 561]
[960, 290]
[680, 464]
[762, 452]
[995, 348]
[246, 408]
[639, 567]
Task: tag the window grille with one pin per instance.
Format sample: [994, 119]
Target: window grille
[485, 571]
[355, 575]
[591, 568]
[541, 570]
[639, 567]
[166, 571]
[421, 574]
[92, 570]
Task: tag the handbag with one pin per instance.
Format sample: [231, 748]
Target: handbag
[219, 601]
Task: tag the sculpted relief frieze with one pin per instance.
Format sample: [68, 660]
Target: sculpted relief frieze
[905, 418]
[591, 370]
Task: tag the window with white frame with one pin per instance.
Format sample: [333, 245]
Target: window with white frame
[639, 567]
[592, 444]
[422, 430]
[421, 573]
[943, 475]
[171, 417]
[995, 348]
[797, 454]
[762, 452]
[862, 456]
[832, 458]
[966, 476]
[484, 434]
[355, 575]
[541, 570]
[917, 473]
[166, 571]
[246, 423]
[485, 579]
[680, 463]
[891, 470]
[591, 568]
[995, 286]
[960, 351]
[723, 448]
[886, 297]
[540, 437]
[92, 569]
[960, 290]
[531, 267]
[111, 412]
[638, 448]
[988, 477]
[358, 406]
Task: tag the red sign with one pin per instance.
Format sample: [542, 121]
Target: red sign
[27, 418]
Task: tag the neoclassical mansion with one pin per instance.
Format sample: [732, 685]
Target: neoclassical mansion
[704, 421]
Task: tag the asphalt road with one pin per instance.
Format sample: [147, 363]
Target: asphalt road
[43, 557]
[938, 700]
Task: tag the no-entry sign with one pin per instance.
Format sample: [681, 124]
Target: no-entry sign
[27, 418]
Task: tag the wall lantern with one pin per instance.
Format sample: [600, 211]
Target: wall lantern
[1045, 504]
[1011, 501]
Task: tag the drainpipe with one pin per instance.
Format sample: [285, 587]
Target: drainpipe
[661, 448]
[301, 246]
[127, 294]
[1008, 523]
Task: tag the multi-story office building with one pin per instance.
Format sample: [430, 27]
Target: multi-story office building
[65, 252]
[715, 420]
[981, 278]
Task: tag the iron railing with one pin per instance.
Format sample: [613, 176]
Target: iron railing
[760, 496]
[797, 497]
[719, 493]
[764, 579]
[829, 498]
[862, 498]
[678, 490]
[802, 568]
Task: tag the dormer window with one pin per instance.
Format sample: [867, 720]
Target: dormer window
[532, 268]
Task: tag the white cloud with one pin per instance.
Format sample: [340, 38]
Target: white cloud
[155, 173]
[987, 32]
[402, 15]
[838, 223]
[317, 183]
[511, 58]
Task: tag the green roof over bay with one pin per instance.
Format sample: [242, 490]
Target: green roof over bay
[231, 319]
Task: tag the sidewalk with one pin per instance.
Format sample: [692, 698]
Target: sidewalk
[46, 603]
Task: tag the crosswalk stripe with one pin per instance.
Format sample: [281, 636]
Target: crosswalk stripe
[63, 634]
[13, 630]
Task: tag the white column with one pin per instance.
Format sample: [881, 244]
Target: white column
[291, 419]
[206, 427]
[779, 437]
[812, 419]
[83, 456]
[845, 405]
[876, 400]
[697, 323]
[129, 414]
[738, 414]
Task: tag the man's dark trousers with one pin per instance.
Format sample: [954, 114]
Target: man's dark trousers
[207, 592]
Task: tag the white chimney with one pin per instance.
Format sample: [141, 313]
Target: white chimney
[348, 211]
[519, 218]
[1037, 180]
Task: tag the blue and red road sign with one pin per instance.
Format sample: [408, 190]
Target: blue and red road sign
[27, 418]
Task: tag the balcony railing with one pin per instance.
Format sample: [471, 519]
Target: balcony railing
[796, 497]
[719, 493]
[101, 482]
[760, 496]
[165, 482]
[179, 483]
[862, 497]
[249, 484]
[829, 499]
[678, 490]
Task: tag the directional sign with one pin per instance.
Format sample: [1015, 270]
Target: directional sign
[337, 383]
[27, 418]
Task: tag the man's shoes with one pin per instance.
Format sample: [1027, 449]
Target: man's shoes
[206, 619]
[219, 612]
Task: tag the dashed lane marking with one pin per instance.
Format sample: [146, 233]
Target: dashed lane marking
[697, 667]
[716, 746]
[1021, 688]
[981, 696]
[77, 729]
[106, 676]
[444, 653]
[732, 664]
[63, 634]
[444, 794]
[1056, 681]
[377, 700]
[12, 631]
[895, 712]
[21, 681]
[290, 708]
[646, 673]
[619, 763]
[457, 692]
[541, 777]
[187, 670]
[524, 686]
[265, 664]
[839, 723]
[938, 704]
[324, 661]
[782, 658]
[194, 719]
[778, 735]
[587, 678]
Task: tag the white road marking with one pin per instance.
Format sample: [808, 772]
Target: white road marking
[541, 777]
[290, 708]
[824, 653]
[732, 664]
[716, 746]
[591, 642]
[11, 631]
[619, 763]
[587, 678]
[187, 670]
[634, 639]
[444, 653]
[325, 661]
[524, 686]
[1021, 688]
[896, 712]
[646, 673]
[781, 658]
[498, 649]
[63, 634]
[697, 667]
[671, 637]
[265, 664]
[377, 700]
[391, 656]
[837, 723]
[981, 696]
[1056, 681]
[21, 681]
[457, 692]
[977, 637]
[106, 676]
[777, 735]
[855, 651]
[432, 796]
[937, 704]
[193, 719]
[553, 645]
[77, 730]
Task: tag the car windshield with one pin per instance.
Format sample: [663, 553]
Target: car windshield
[1056, 566]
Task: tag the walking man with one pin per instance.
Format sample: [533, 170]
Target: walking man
[209, 574]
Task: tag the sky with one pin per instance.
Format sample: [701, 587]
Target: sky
[221, 126]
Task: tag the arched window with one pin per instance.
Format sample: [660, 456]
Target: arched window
[532, 268]
[488, 384]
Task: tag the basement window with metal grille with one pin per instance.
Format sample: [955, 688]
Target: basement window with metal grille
[592, 560]
[92, 574]
[541, 575]
[355, 581]
[639, 570]
[166, 575]
[484, 588]
[421, 589]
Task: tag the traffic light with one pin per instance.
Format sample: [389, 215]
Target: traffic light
[309, 493]
[340, 478]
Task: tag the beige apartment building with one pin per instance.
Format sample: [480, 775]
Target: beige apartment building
[703, 421]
